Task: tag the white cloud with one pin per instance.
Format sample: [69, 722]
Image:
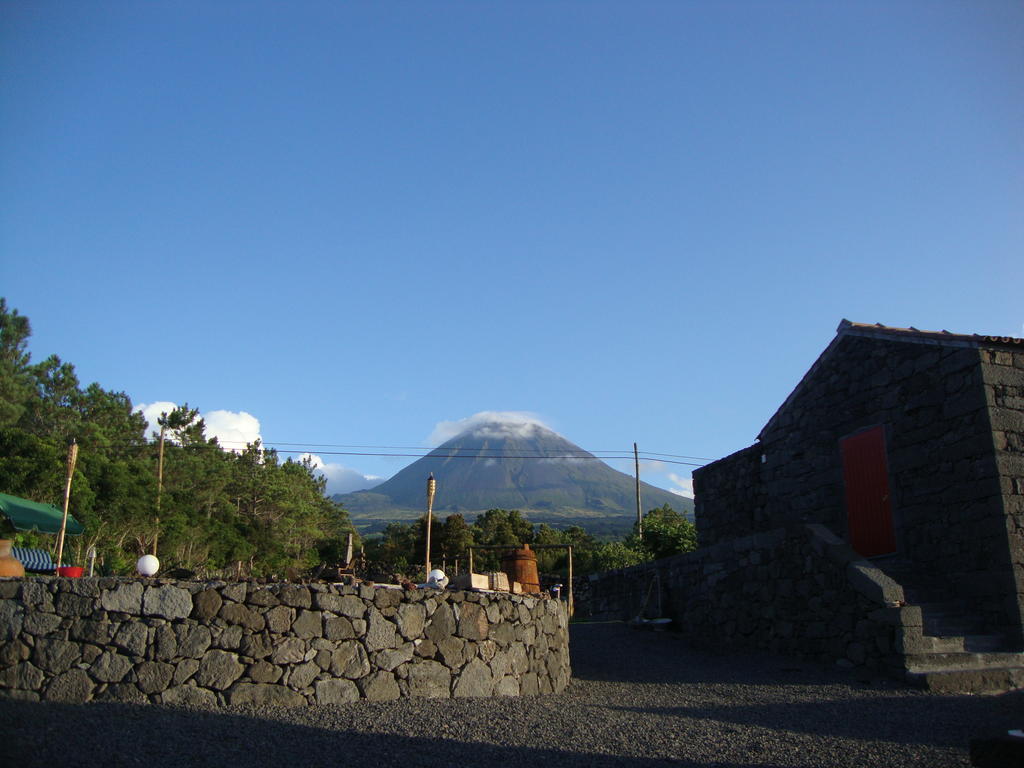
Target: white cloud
[684, 485]
[234, 430]
[341, 479]
[488, 424]
[152, 413]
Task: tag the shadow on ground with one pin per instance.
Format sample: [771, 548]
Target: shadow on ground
[135, 736]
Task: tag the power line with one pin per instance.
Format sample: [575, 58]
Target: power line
[418, 452]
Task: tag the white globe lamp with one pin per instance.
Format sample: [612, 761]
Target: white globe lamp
[148, 565]
[436, 578]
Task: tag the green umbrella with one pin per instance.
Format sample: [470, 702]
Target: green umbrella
[26, 515]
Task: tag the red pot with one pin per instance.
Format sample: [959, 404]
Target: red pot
[71, 571]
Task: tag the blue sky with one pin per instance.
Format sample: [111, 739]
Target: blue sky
[639, 221]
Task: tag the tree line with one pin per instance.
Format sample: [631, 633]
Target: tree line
[244, 513]
[401, 548]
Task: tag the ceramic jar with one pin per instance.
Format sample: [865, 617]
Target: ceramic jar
[9, 564]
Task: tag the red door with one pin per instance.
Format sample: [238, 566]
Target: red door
[866, 477]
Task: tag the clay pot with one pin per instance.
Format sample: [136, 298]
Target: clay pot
[9, 564]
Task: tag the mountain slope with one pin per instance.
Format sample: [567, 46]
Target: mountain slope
[512, 466]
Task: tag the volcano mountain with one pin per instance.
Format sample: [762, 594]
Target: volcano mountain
[523, 466]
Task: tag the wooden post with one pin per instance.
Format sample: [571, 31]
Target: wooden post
[159, 486]
[72, 458]
[639, 516]
[572, 605]
[431, 490]
[471, 562]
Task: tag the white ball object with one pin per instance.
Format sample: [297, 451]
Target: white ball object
[437, 576]
[147, 565]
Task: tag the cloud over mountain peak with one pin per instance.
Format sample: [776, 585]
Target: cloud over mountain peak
[493, 424]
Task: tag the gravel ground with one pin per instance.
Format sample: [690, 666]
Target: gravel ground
[637, 699]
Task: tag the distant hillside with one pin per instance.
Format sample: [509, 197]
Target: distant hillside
[512, 466]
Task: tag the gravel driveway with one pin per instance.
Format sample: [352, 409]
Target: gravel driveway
[637, 698]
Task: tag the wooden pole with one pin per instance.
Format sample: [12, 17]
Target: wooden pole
[72, 458]
[572, 605]
[431, 490]
[639, 516]
[470, 562]
[159, 486]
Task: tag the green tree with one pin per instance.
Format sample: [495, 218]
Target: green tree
[16, 384]
[499, 527]
[666, 533]
[455, 539]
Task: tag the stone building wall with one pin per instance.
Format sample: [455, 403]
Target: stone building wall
[1003, 375]
[170, 642]
[948, 503]
[797, 591]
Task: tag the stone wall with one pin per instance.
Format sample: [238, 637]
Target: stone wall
[797, 591]
[169, 642]
[1003, 376]
[948, 498]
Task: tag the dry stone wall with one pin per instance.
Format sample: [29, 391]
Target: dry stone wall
[797, 591]
[133, 640]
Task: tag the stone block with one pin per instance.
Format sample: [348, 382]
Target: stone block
[308, 624]
[67, 604]
[473, 623]
[873, 583]
[350, 660]
[262, 597]
[235, 613]
[24, 676]
[291, 650]
[55, 656]
[264, 672]
[452, 650]
[410, 619]
[279, 619]
[126, 598]
[380, 686]
[154, 676]
[336, 692]
[381, 633]
[295, 595]
[36, 595]
[230, 638]
[429, 679]
[72, 687]
[189, 696]
[132, 637]
[303, 675]
[206, 604]
[218, 670]
[110, 667]
[256, 646]
[167, 601]
[184, 670]
[474, 680]
[40, 624]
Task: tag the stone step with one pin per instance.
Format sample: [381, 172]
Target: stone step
[962, 660]
[987, 680]
[976, 643]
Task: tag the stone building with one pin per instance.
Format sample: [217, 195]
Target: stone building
[909, 446]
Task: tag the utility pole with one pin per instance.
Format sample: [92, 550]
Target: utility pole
[639, 516]
[159, 485]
